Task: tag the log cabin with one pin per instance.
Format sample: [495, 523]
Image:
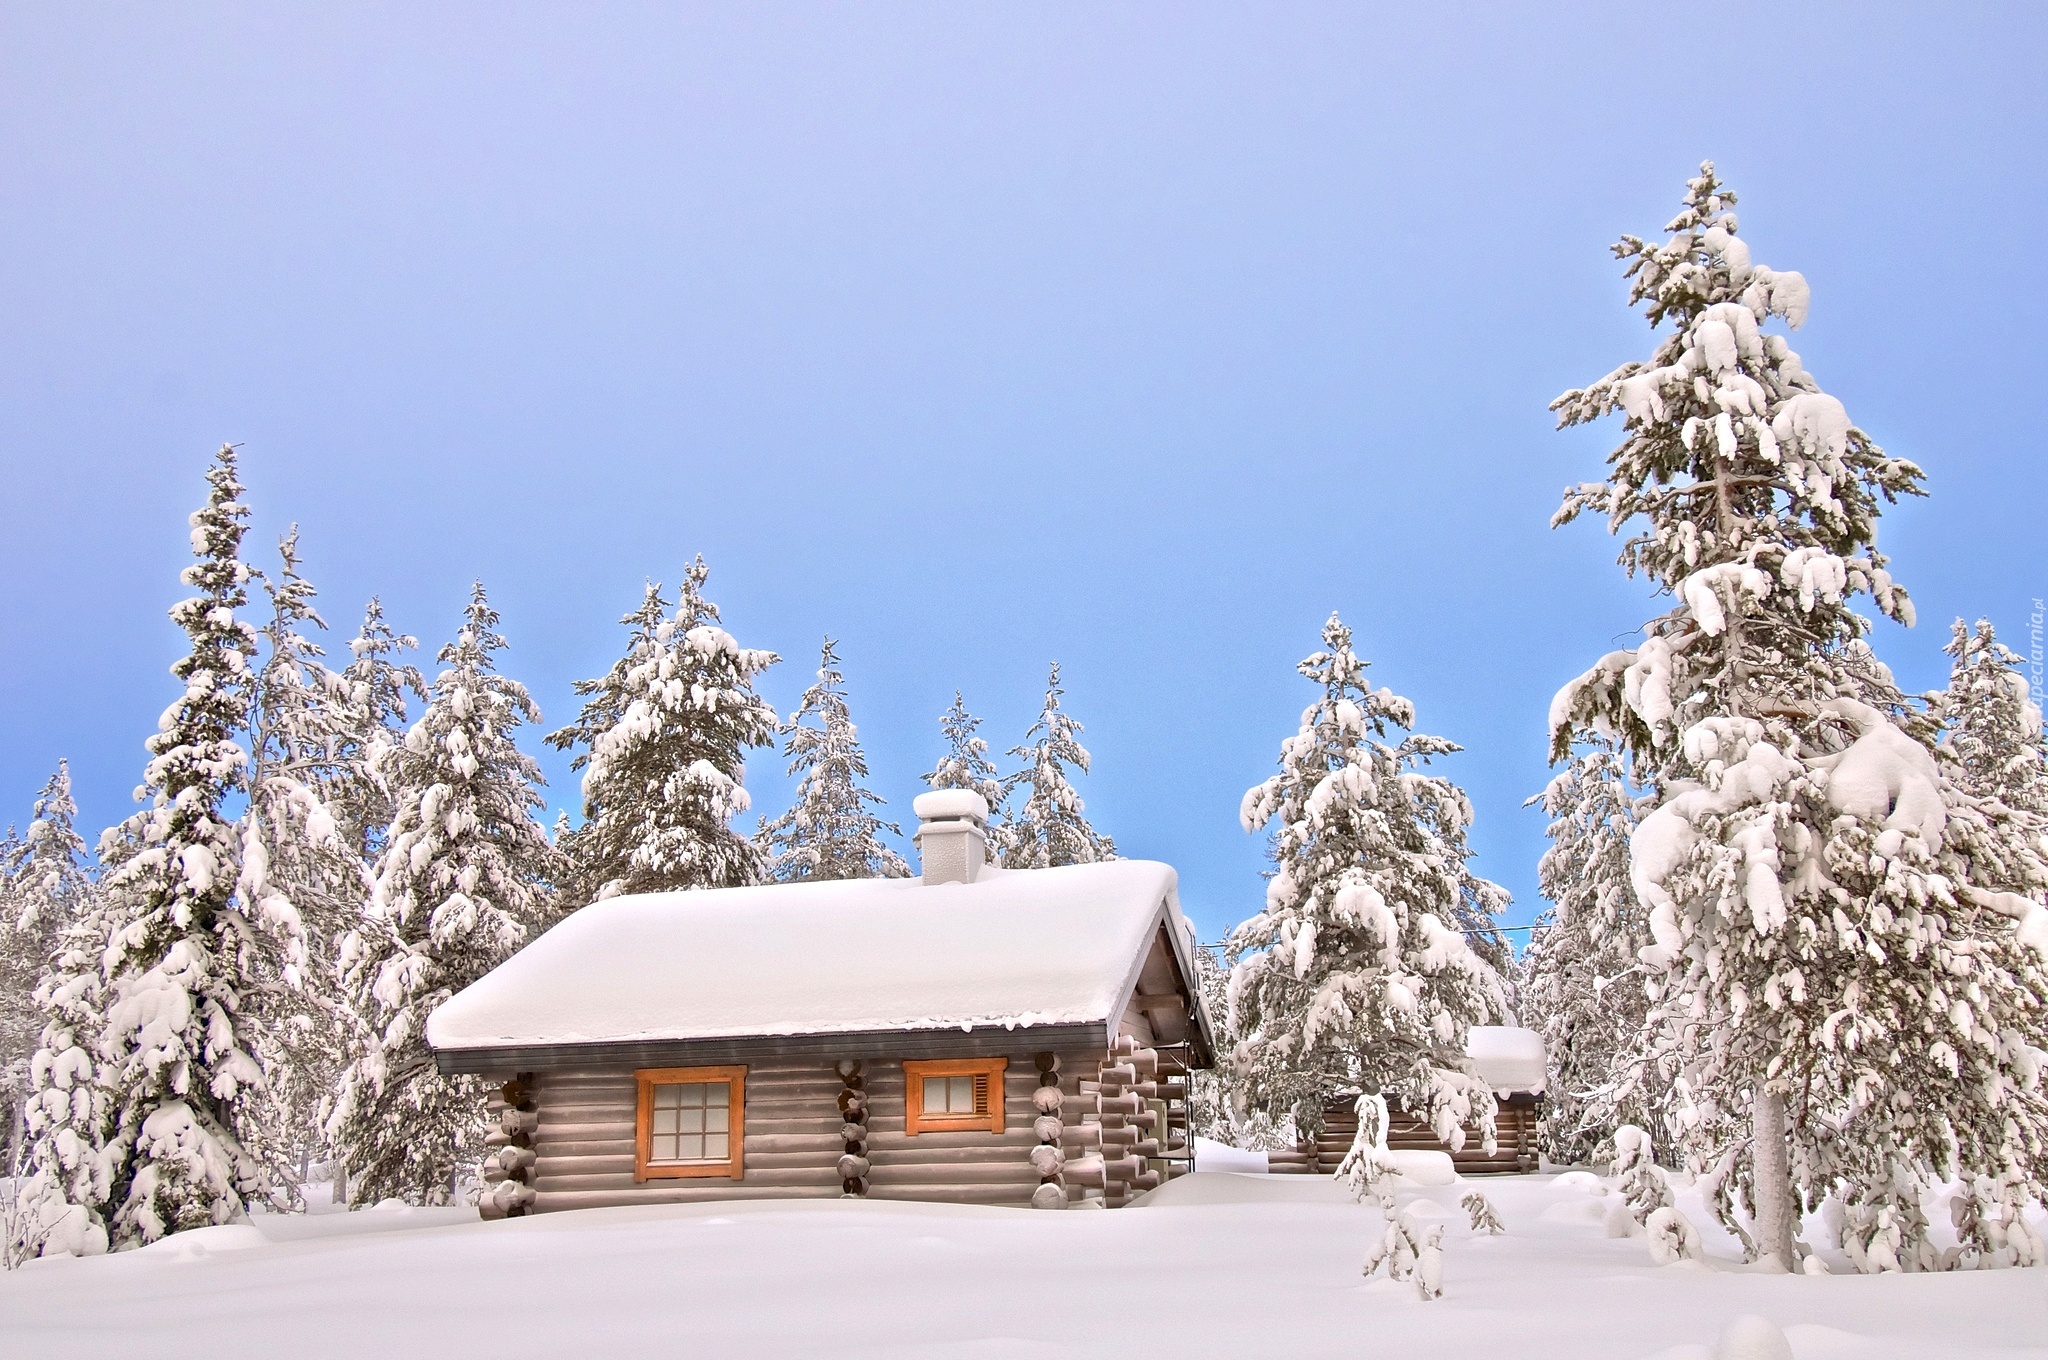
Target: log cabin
[973, 1035]
[1510, 1059]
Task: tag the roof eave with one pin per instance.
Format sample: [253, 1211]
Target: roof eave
[981, 1041]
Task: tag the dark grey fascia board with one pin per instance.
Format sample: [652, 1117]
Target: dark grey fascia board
[982, 1042]
[1164, 923]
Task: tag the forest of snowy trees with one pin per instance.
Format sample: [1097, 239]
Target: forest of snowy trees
[1796, 942]
[234, 985]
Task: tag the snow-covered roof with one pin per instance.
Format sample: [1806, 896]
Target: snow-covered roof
[1510, 1059]
[1016, 949]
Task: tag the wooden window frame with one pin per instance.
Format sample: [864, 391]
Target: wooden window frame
[916, 1121]
[646, 1079]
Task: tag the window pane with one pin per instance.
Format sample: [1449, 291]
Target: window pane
[691, 1122]
[963, 1095]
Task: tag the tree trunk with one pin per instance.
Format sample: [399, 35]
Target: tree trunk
[1773, 1181]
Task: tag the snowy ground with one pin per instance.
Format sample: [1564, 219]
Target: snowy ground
[1226, 1265]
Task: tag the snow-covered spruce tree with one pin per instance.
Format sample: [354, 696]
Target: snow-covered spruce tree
[1047, 829]
[1993, 724]
[665, 735]
[369, 697]
[62, 1182]
[44, 890]
[1359, 972]
[185, 947]
[295, 858]
[20, 968]
[462, 882]
[1580, 977]
[966, 764]
[1211, 1106]
[829, 832]
[1841, 1004]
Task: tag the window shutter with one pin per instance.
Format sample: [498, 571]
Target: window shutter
[981, 1093]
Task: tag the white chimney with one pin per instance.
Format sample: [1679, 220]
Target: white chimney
[952, 834]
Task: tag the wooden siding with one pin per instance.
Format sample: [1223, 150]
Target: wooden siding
[585, 1141]
[1514, 1138]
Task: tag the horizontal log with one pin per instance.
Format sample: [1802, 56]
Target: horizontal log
[820, 1175]
[793, 1142]
[1013, 1135]
[952, 1194]
[900, 1155]
[954, 1173]
[584, 1147]
[610, 1128]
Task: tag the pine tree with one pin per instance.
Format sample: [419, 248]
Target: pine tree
[1359, 972]
[1579, 976]
[297, 861]
[665, 735]
[462, 882]
[966, 764]
[63, 1182]
[369, 696]
[829, 833]
[1048, 829]
[1211, 1103]
[1994, 726]
[184, 947]
[1836, 995]
[20, 967]
[45, 887]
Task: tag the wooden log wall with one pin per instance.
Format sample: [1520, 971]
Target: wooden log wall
[1131, 1131]
[976, 1167]
[1048, 1159]
[584, 1143]
[853, 1109]
[508, 1168]
[796, 1138]
[1514, 1137]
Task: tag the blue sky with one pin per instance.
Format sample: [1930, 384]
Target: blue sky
[1139, 337]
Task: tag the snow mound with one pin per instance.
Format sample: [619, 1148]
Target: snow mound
[1507, 1057]
[198, 1243]
[1750, 1337]
[1422, 1166]
[1236, 1187]
[1211, 1155]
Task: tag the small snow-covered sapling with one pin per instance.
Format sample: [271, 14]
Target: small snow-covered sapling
[1635, 1166]
[1398, 1249]
[1429, 1265]
[1484, 1217]
[1672, 1237]
[1368, 1168]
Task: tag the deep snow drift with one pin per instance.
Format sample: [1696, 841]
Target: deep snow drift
[1224, 1265]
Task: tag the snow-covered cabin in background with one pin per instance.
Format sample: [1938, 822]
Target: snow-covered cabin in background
[976, 1035]
[1512, 1062]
